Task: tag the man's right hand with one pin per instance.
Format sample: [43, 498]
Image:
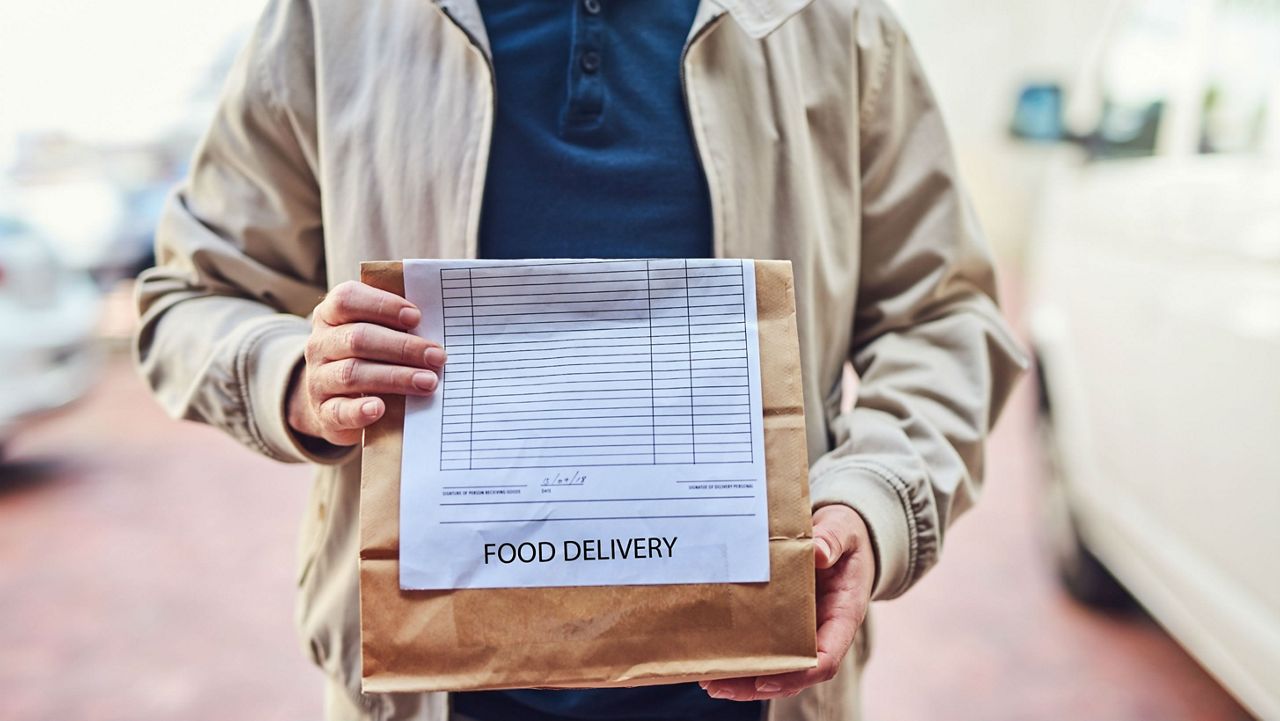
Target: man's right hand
[359, 345]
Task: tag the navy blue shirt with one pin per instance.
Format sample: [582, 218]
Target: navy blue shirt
[592, 157]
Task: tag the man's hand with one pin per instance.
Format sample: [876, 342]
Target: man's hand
[846, 571]
[359, 345]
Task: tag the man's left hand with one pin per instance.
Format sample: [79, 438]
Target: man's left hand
[846, 570]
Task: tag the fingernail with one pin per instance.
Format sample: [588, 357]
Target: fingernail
[424, 380]
[369, 407]
[410, 317]
[768, 687]
[717, 693]
[435, 356]
[824, 551]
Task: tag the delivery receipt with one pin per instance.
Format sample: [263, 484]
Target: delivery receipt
[598, 423]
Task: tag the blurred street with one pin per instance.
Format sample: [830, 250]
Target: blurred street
[146, 572]
[1122, 156]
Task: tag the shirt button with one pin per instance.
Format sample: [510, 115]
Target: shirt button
[590, 61]
[592, 6]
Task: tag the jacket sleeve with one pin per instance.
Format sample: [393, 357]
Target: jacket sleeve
[934, 358]
[240, 252]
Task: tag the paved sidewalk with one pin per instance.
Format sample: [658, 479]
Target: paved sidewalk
[146, 574]
[146, 571]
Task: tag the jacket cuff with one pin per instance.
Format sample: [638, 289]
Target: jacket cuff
[271, 357]
[875, 495]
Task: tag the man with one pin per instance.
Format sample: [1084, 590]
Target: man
[797, 129]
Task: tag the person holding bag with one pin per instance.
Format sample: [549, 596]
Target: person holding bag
[792, 129]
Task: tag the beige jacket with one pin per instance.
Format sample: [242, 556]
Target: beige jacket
[353, 130]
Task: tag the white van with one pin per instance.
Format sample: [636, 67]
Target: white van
[1155, 312]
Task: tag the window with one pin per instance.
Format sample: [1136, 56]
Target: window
[1242, 79]
[1140, 72]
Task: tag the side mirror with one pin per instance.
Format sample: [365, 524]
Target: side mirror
[1038, 115]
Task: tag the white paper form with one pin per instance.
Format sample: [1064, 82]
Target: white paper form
[599, 422]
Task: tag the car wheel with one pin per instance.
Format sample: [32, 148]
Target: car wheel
[1081, 574]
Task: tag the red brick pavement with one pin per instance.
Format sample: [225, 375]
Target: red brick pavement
[146, 573]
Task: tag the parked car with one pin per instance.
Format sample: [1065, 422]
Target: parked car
[86, 239]
[47, 319]
[1155, 317]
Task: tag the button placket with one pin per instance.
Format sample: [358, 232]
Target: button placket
[586, 78]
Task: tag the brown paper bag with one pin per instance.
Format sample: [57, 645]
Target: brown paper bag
[598, 636]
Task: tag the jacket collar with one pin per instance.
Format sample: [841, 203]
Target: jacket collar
[757, 18]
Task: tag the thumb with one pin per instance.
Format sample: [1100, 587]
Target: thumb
[828, 540]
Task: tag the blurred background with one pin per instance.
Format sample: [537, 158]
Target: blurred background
[1124, 156]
